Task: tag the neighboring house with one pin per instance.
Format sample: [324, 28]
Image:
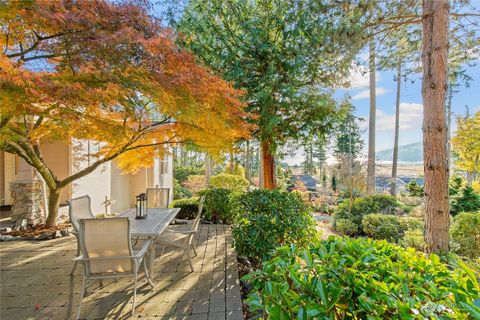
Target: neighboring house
[383, 183]
[107, 182]
[309, 181]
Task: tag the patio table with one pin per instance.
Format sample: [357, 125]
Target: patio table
[151, 227]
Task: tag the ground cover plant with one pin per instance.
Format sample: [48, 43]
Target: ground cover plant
[343, 278]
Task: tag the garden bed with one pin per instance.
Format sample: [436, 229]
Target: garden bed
[38, 232]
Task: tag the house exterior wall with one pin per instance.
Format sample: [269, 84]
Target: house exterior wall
[57, 157]
[121, 191]
[97, 184]
[9, 175]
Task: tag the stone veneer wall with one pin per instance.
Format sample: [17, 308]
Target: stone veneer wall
[27, 198]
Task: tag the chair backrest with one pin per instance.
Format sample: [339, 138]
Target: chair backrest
[196, 222]
[106, 243]
[158, 197]
[79, 208]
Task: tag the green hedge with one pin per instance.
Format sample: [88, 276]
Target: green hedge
[188, 207]
[344, 278]
[218, 205]
[265, 220]
[465, 234]
[230, 182]
[376, 203]
[382, 226]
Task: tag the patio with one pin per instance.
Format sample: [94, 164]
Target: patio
[35, 283]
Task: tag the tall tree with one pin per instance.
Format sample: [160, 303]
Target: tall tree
[435, 21]
[372, 117]
[284, 55]
[106, 72]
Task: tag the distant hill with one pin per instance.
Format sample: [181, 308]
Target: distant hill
[408, 153]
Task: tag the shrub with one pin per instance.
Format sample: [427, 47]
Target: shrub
[343, 278]
[382, 226]
[410, 200]
[181, 173]
[465, 200]
[195, 183]
[413, 238]
[217, 206]
[265, 220]
[346, 227]
[465, 233]
[376, 203]
[188, 207]
[414, 189]
[238, 170]
[411, 223]
[180, 191]
[229, 181]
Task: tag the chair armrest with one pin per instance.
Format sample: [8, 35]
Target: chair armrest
[143, 250]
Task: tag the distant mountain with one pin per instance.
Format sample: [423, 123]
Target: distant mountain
[408, 153]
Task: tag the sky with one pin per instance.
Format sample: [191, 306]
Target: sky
[411, 108]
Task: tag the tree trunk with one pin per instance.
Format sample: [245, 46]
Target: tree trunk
[371, 122]
[435, 158]
[208, 168]
[393, 184]
[248, 175]
[53, 203]
[268, 165]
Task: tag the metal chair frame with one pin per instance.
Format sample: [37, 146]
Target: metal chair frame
[137, 259]
[75, 224]
[184, 238]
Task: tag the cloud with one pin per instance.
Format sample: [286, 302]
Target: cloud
[380, 91]
[359, 77]
[411, 117]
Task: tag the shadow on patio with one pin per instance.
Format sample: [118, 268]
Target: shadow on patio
[35, 283]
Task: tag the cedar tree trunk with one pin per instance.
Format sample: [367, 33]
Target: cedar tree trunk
[268, 165]
[435, 158]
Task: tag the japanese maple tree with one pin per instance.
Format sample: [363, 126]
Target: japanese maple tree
[108, 72]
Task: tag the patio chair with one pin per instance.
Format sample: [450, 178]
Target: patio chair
[183, 239]
[79, 208]
[107, 253]
[158, 197]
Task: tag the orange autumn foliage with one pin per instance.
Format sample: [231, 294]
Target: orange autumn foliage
[108, 72]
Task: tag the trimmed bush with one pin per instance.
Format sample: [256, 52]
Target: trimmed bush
[413, 238]
[230, 182]
[346, 227]
[217, 206]
[465, 234]
[343, 278]
[188, 207]
[265, 220]
[382, 226]
[411, 223]
[376, 203]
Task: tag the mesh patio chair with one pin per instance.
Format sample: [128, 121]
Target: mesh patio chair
[183, 239]
[79, 208]
[158, 197]
[107, 253]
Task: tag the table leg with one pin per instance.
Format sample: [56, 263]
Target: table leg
[151, 256]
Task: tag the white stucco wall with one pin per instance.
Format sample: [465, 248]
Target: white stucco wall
[9, 175]
[96, 184]
[121, 192]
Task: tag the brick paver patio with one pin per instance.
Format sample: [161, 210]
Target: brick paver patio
[35, 283]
